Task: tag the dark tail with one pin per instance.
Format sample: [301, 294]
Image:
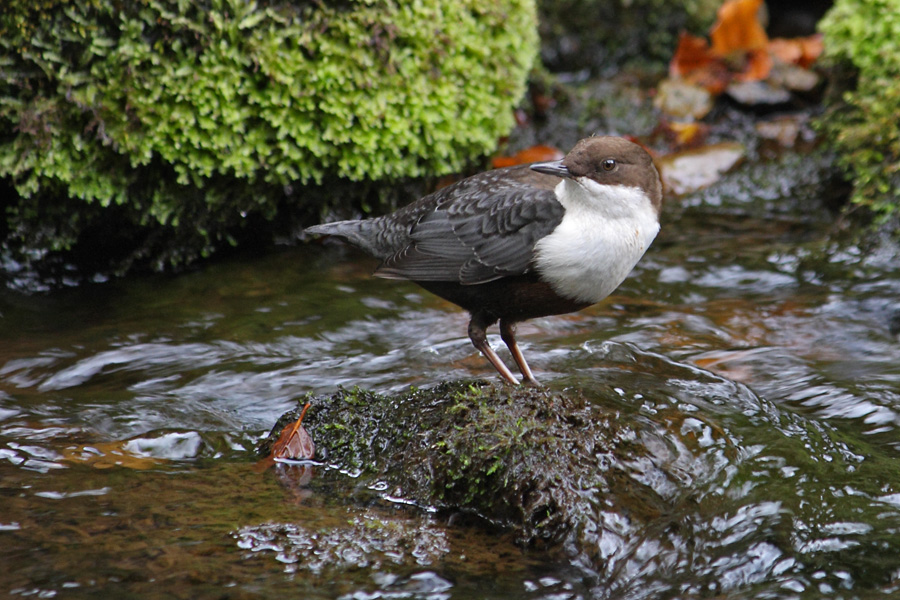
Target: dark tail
[357, 233]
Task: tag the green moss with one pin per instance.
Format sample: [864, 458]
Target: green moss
[196, 115]
[862, 38]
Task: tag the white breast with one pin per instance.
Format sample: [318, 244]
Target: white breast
[603, 234]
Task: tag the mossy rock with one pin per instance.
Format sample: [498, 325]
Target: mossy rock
[196, 118]
[544, 465]
[862, 48]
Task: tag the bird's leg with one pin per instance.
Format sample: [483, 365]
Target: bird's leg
[478, 334]
[508, 333]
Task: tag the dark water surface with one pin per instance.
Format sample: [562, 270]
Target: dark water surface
[129, 412]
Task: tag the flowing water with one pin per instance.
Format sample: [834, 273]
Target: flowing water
[129, 413]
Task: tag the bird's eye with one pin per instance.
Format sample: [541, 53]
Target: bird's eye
[609, 164]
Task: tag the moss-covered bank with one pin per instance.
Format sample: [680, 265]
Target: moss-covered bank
[186, 120]
[862, 43]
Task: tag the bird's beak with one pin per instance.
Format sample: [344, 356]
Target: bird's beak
[554, 167]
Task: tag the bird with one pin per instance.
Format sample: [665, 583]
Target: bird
[522, 242]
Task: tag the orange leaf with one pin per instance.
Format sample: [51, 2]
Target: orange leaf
[785, 50]
[757, 66]
[812, 49]
[685, 134]
[297, 443]
[695, 63]
[294, 442]
[528, 155]
[801, 51]
[738, 28]
[692, 53]
[714, 77]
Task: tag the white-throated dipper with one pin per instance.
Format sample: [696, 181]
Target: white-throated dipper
[522, 242]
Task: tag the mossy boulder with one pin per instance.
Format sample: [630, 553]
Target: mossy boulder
[862, 47]
[545, 466]
[191, 119]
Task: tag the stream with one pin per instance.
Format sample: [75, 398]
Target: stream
[130, 411]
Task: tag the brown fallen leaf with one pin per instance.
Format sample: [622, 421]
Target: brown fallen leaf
[105, 455]
[757, 65]
[813, 46]
[681, 135]
[738, 28]
[695, 63]
[802, 51]
[739, 50]
[692, 53]
[788, 51]
[294, 443]
[714, 77]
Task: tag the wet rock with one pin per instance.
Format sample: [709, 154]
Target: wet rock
[758, 94]
[683, 100]
[690, 170]
[794, 78]
[554, 468]
[782, 130]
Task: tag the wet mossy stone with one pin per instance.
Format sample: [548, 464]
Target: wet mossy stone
[193, 120]
[544, 465]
